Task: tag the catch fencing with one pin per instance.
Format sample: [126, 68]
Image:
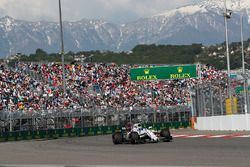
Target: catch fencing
[87, 122]
[94, 117]
[80, 132]
[213, 100]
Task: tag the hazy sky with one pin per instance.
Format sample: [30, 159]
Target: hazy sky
[117, 11]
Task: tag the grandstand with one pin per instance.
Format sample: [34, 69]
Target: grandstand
[37, 89]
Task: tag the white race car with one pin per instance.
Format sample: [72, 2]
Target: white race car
[137, 134]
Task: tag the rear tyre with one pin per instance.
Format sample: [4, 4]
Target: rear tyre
[117, 138]
[166, 134]
[135, 138]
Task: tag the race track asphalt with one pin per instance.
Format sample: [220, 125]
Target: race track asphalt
[99, 150]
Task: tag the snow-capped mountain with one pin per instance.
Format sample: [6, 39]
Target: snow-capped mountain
[2, 12]
[198, 23]
[202, 22]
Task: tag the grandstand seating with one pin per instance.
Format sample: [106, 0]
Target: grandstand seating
[31, 87]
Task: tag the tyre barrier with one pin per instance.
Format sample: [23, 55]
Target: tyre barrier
[80, 132]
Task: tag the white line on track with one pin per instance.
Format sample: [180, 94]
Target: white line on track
[179, 135]
[197, 136]
[210, 136]
[218, 136]
[244, 136]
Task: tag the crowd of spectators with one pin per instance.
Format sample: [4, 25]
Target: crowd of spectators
[36, 87]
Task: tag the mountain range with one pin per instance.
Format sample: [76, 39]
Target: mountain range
[202, 22]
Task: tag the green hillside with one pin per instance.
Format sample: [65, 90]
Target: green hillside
[152, 54]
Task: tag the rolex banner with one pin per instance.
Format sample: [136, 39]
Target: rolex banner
[163, 73]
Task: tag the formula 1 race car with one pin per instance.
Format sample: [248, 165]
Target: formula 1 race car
[135, 134]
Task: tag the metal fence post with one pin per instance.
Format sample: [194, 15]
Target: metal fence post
[211, 100]
[202, 103]
[81, 118]
[179, 116]
[33, 122]
[221, 104]
[20, 124]
[167, 115]
[199, 102]
[154, 115]
[93, 121]
[11, 127]
[130, 113]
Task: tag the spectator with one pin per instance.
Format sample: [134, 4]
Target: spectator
[37, 87]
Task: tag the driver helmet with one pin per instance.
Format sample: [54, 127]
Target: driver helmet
[129, 126]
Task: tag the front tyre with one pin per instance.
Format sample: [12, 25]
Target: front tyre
[135, 138]
[117, 138]
[166, 134]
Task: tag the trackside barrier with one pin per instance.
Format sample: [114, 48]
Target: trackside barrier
[79, 132]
